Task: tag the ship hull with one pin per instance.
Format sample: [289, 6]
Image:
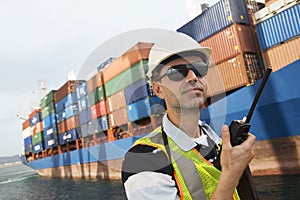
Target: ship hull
[102, 161]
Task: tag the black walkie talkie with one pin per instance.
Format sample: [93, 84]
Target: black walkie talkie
[239, 130]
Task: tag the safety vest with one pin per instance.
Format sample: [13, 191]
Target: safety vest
[195, 177]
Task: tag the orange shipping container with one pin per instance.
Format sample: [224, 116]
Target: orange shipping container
[94, 82]
[34, 112]
[68, 124]
[138, 52]
[230, 42]
[37, 128]
[67, 88]
[25, 124]
[283, 54]
[116, 101]
[227, 75]
[118, 117]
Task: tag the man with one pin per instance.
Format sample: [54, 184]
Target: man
[176, 160]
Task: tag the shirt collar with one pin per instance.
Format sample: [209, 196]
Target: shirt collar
[177, 135]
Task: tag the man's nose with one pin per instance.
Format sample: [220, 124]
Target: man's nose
[191, 76]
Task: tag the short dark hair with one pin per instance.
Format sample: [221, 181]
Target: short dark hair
[156, 72]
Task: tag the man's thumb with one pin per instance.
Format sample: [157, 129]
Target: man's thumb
[225, 136]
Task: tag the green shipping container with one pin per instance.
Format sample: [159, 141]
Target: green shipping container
[96, 95]
[126, 78]
[47, 110]
[47, 99]
[37, 138]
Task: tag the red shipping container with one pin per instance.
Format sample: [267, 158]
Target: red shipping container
[99, 109]
[234, 40]
[138, 52]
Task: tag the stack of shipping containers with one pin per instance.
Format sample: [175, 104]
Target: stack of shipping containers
[98, 114]
[114, 103]
[123, 74]
[37, 131]
[26, 132]
[67, 114]
[278, 30]
[232, 39]
[49, 120]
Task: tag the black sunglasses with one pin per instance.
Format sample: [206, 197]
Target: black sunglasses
[179, 72]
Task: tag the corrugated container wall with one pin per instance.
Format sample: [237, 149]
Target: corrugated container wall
[138, 52]
[94, 82]
[230, 42]
[231, 74]
[281, 55]
[126, 78]
[67, 88]
[224, 13]
[283, 26]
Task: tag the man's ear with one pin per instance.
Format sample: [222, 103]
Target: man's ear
[158, 90]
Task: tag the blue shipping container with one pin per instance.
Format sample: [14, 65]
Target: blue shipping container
[100, 124]
[281, 27]
[66, 113]
[136, 91]
[50, 131]
[69, 136]
[82, 90]
[109, 60]
[36, 119]
[38, 147]
[27, 141]
[216, 18]
[65, 102]
[49, 120]
[51, 142]
[85, 116]
[87, 129]
[157, 105]
[28, 148]
[83, 103]
[138, 110]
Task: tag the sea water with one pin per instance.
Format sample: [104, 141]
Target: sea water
[18, 182]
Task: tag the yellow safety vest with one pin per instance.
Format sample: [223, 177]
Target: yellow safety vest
[186, 165]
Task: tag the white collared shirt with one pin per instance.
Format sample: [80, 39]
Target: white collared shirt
[153, 185]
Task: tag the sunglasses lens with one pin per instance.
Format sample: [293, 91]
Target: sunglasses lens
[200, 69]
[179, 72]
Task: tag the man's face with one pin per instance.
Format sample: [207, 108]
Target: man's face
[188, 93]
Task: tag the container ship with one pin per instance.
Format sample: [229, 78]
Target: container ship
[84, 128]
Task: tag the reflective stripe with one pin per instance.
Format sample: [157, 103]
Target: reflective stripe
[190, 168]
[192, 179]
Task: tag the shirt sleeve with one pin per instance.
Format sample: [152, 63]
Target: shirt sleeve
[150, 185]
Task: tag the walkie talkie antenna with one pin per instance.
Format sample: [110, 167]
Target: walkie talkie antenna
[260, 89]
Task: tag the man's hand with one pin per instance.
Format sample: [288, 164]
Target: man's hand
[234, 160]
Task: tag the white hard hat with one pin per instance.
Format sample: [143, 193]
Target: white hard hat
[171, 43]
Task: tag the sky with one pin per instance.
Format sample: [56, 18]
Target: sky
[47, 39]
